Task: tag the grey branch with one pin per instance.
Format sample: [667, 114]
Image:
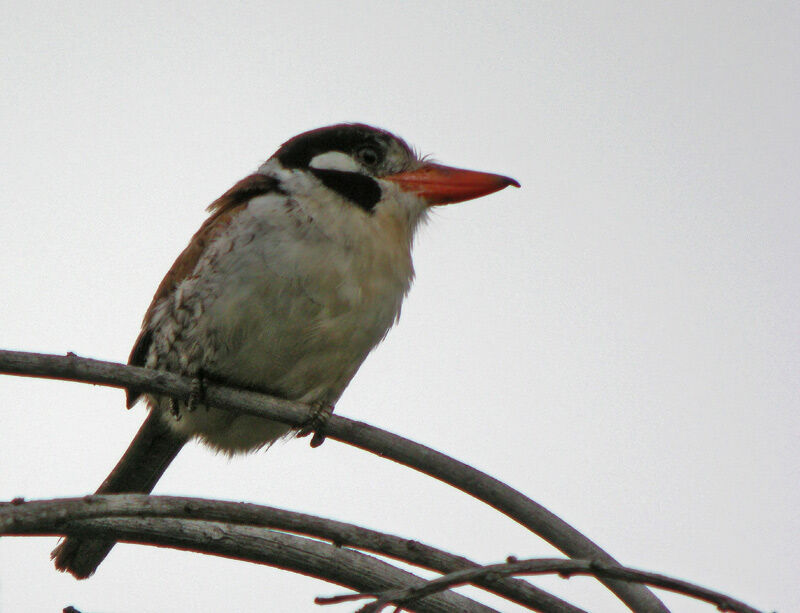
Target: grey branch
[278, 549]
[364, 436]
[540, 566]
[56, 516]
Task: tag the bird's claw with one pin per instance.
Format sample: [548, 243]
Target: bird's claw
[197, 394]
[316, 424]
[175, 409]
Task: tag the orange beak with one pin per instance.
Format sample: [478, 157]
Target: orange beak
[439, 184]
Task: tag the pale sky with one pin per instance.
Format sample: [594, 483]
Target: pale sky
[619, 339]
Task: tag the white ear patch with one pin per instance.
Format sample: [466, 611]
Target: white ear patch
[334, 160]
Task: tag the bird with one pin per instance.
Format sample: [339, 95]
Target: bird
[299, 271]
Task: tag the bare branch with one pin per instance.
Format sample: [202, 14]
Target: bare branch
[278, 549]
[52, 516]
[385, 444]
[565, 568]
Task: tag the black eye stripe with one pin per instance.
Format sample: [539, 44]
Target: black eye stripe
[361, 190]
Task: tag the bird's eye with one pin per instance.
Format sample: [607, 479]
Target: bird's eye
[368, 156]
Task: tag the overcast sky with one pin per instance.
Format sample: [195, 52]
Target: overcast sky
[619, 339]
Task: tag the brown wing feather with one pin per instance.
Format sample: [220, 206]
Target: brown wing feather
[223, 211]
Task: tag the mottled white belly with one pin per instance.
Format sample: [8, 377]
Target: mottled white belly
[268, 312]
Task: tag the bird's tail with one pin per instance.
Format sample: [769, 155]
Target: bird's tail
[147, 457]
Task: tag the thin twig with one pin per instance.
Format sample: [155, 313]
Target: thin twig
[565, 568]
[385, 444]
[48, 516]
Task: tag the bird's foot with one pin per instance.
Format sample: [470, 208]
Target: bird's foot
[175, 408]
[197, 394]
[316, 424]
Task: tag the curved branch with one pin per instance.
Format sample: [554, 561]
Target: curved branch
[462, 476]
[278, 549]
[51, 516]
[541, 566]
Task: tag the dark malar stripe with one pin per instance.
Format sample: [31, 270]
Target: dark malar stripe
[361, 190]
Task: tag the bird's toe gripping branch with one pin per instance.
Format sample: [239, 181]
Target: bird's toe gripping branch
[316, 424]
[197, 395]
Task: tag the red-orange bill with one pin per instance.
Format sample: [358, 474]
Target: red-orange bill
[439, 184]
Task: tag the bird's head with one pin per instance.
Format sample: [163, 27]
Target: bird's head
[374, 170]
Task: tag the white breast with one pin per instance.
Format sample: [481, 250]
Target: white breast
[290, 299]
